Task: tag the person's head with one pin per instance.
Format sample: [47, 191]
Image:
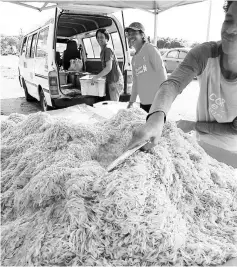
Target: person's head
[135, 33]
[102, 36]
[229, 29]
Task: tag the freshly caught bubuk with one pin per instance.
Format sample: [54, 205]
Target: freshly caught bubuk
[176, 206]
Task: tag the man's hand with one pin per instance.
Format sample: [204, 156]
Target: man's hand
[130, 105]
[151, 131]
[186, 126]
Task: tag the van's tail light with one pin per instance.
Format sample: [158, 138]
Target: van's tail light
[53, 83]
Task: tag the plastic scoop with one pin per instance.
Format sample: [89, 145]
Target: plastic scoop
[124, 156]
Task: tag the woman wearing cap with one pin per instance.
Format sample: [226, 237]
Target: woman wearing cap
[114, 77]
[147, 65]
[215, 64]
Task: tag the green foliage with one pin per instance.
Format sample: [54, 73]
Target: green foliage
[169, 43]
[11, 44]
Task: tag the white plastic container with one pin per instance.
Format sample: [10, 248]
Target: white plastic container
[96, 89]
[108, 109]
[111, 104]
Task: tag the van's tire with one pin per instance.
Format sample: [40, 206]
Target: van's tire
[28, 97]
[43, 102]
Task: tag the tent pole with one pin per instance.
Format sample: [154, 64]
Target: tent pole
[155, 27]
[209, 20]
[25, 5]
[126, 68]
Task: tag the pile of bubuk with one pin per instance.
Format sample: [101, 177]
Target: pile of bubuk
[176, 206]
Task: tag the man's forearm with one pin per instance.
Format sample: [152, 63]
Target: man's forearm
[216, 128]
[164, 98]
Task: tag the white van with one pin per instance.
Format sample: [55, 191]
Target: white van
[40, 64]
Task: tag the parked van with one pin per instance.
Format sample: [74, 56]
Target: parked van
[43, 74]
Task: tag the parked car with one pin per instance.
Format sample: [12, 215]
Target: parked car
[174, 57]
[163, 51]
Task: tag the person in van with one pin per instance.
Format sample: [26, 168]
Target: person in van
[114, 77]
[71, 52]
[215, 64]
[147, 65]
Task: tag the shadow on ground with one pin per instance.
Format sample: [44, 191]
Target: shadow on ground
[18, 105]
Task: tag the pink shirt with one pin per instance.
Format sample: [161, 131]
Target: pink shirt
[148, 74]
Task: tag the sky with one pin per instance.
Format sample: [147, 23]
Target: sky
[187, 22]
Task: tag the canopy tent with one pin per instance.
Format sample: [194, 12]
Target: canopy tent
[108, 6]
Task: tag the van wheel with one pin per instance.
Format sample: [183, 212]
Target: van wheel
[43, 102]
[28, 97]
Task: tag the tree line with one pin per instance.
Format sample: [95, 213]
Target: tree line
[169, 43]
[12, 44]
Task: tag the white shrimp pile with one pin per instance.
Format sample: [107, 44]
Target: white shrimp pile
[175, 206]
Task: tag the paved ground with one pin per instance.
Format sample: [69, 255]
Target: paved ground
[12, 95]
[18, 105]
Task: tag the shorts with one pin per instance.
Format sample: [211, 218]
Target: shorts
[116, 89]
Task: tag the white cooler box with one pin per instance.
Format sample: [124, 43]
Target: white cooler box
[96, 89]
[108, 109]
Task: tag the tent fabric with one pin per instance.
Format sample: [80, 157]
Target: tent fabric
[106, 7]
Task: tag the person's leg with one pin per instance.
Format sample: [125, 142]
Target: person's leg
[107, 94]
[114, 91]
[145, 107]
